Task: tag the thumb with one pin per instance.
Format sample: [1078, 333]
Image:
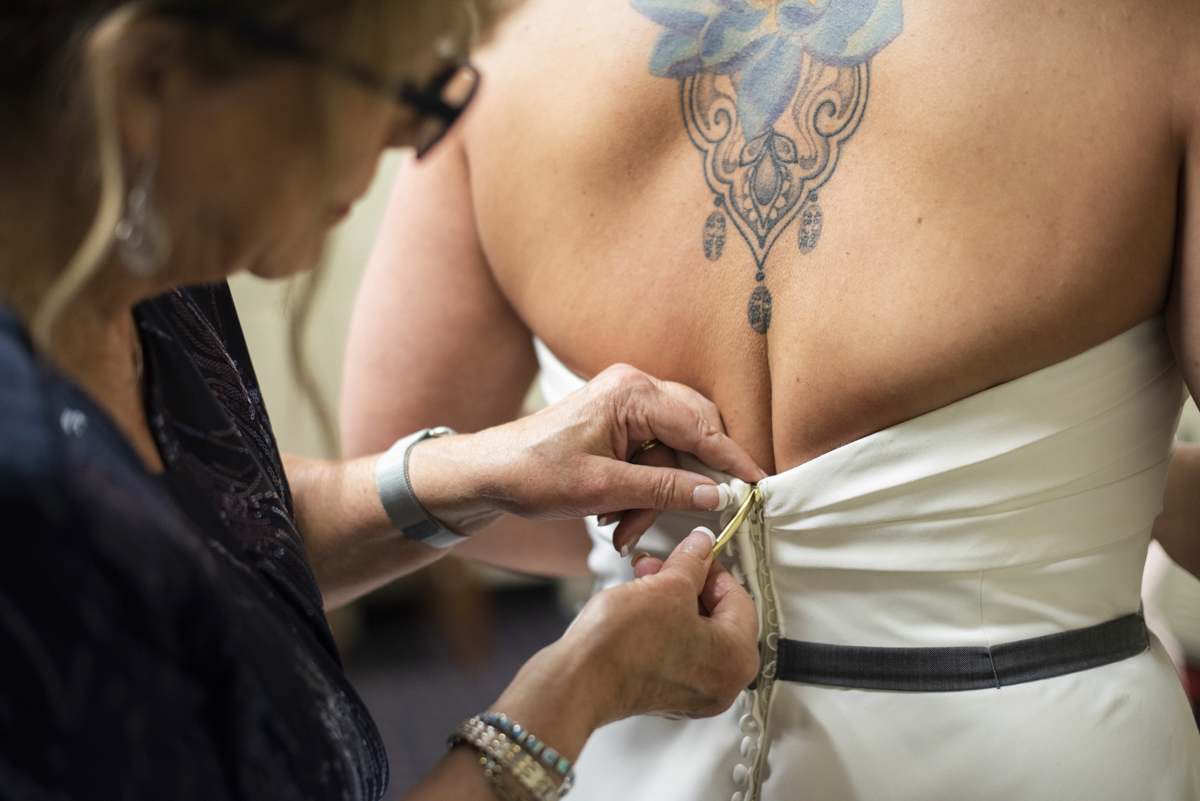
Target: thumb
[692, 557]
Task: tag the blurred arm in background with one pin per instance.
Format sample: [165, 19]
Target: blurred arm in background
[1177, 529]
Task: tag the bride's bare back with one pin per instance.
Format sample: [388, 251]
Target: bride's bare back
[829, 216]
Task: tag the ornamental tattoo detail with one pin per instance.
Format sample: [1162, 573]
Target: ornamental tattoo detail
[765, 181]
[770, 92]
[714, 236]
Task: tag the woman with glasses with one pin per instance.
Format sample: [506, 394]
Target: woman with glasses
[163, 570]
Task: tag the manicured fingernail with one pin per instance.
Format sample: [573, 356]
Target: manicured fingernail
[605, 519]
[637, 557]
[625, 549]
[698, 547]
[706, 496]
[726, 497]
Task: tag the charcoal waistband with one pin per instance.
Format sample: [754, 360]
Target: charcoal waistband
[924, 670]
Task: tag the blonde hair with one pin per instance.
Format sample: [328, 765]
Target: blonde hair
[98, 242]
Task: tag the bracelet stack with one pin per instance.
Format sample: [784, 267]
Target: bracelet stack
[519, 765]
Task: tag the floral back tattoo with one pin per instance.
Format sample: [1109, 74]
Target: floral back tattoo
[770, 90]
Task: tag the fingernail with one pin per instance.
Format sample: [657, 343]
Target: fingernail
[706, 496]
[637, 557]
[625, 549]
[605, 519]
[698, 547]
[726, 497]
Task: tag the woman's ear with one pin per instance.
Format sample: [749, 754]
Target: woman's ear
[150, 71]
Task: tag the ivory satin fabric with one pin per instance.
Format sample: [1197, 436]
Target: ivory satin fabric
[1021, 511]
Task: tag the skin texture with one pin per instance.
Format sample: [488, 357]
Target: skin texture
[1024, 184]
[251, 174]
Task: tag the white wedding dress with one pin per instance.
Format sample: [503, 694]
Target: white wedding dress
[1018, 512]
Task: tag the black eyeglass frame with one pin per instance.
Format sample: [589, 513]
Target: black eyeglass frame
[427, 100]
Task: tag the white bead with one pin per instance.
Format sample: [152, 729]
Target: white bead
[748, 724]
[737, 797]
[747, 745]
[740, 774]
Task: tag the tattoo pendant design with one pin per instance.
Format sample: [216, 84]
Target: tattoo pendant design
[758, 311]
[714, 236]
[742, 66]
[811, 221]
[764, 182]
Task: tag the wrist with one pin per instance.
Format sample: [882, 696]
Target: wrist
[449, 476]
[556, 697]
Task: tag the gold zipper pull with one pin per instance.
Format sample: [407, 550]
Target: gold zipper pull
[738, 518]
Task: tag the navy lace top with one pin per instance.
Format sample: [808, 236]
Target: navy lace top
[163, 636]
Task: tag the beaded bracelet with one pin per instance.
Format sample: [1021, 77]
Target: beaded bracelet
[549, 757]
[508, 746]
[493, 755]
[494, 775]
[503, 758]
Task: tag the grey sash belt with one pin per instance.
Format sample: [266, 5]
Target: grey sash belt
[924, 670]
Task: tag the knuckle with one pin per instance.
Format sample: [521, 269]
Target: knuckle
[601, 605]
[625, 376]
[609, 614]
[664, 492]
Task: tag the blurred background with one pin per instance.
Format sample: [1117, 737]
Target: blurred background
[438, 646]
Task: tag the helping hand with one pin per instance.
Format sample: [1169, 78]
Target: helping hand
[645, 647]
[568, 460]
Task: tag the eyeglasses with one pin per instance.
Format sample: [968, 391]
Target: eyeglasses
[438, 103]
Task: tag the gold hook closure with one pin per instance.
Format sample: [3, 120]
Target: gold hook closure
[738, 518]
